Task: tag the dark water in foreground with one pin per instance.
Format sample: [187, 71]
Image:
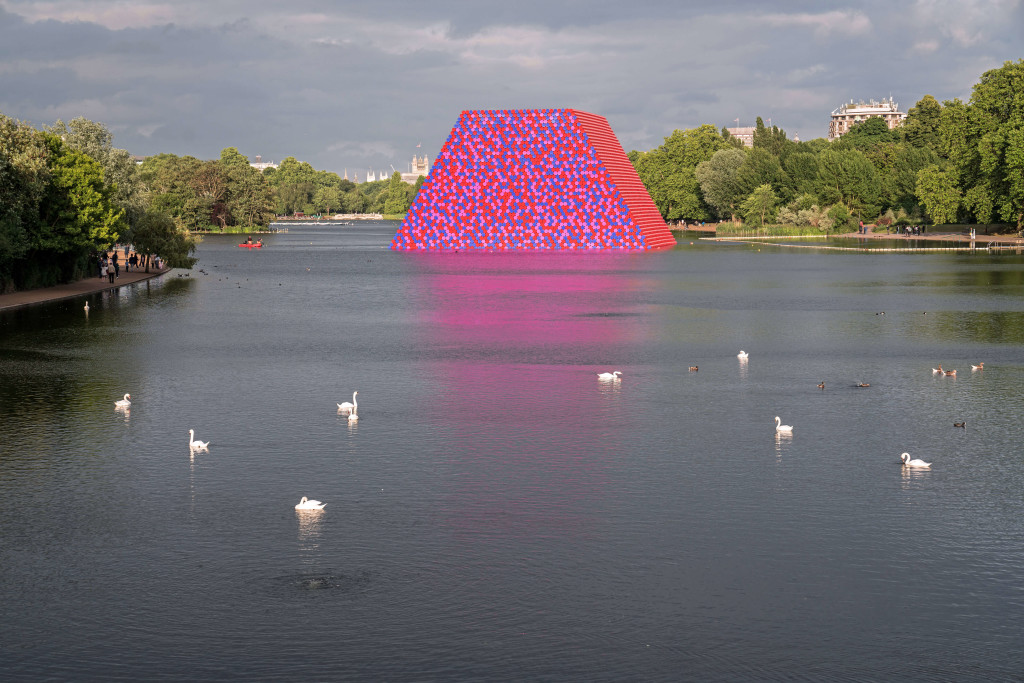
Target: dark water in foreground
[497, 512]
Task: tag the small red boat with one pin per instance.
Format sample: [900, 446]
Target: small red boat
[257, 245]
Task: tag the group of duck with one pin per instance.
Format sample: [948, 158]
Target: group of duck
[197, 446]
[788, 429]
[952, 373]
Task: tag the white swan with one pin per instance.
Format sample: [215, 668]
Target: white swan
[124, 402]
[779, 427]
[743, 355]
[194, 445]
[307, 504]
[349, 406]
[353, 416]
[907, 462]
[608, 375]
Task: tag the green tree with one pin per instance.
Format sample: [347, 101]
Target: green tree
[354, 202]
[327, 199]
[669, 172]
[898, 165]
[802, 170]
[760, 205]
[293, 185]
[759, 167]
[997, 118]
[78, 214]
[772, 140]
[24, 179]
[938, 192]
[719, 183]
[185, 188]
[921, 128]
[120, 172]
[840, 217]
[249, 199]
[846, 176]
[397, 199]
[160, 234]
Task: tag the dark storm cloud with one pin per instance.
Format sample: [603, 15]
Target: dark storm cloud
[357, 85]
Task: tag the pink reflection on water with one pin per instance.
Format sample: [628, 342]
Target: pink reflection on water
[544, 299]
[519, 341]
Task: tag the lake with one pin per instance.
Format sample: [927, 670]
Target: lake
[498, 512]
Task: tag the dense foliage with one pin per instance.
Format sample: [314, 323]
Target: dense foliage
[65, 194]
[950, 162]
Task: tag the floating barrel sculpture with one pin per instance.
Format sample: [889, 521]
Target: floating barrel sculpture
[538, 179]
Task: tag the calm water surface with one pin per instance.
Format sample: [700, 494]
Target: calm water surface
[497, 512]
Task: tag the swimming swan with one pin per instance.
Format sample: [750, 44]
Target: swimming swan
[608, 375]
[349, 406]
[307, 504]
[779, 427]
[353, 416]
[907, 462]
[743, 354]
[124, 402]
[194, 445]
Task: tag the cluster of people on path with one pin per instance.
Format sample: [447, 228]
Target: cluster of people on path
[110, 266]
[905, 229]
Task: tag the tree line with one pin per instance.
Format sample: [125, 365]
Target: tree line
[952, 162]
[297, 187]
[228, 192]
[66, 194]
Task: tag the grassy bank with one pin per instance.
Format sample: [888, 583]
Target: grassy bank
[733, 230]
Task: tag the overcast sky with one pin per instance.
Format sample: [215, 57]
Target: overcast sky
[360, 84]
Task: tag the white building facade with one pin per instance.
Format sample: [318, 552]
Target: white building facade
[849, 115]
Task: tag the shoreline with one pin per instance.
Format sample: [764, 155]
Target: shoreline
[91, 285]
[72, 290]
[954, 240]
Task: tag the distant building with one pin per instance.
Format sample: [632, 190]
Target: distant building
[849, 115]
[743, 134]
[261, 165]
[420, 167]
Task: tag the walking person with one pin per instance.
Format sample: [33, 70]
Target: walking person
[117, 266]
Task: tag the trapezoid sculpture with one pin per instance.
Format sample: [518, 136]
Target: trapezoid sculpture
[538, 179]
